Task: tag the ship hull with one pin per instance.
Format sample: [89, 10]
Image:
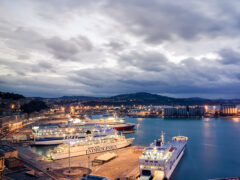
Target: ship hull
[124, 127]
[92, 149]
[169, 173]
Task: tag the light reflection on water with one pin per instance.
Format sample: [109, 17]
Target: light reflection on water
[213, 147]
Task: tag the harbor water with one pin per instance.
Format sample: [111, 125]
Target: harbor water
[213, 148]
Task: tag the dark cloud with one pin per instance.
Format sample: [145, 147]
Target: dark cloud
[24, 41]
[66, 49]
[20, 38]
[117, 45]
[157, 21]
[192, 77]
[230, 57]
[149, 61]
[45, 65]
[123, 47]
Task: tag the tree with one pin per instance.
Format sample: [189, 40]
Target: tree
[33, 106]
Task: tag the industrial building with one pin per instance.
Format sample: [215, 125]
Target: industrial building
[183, 111]
[228, 109]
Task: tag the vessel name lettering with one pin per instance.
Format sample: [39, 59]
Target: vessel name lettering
[100, 149]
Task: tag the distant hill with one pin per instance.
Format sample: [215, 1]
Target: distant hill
[79, 97]
[140, 98]
[155, 99]
[13, 96]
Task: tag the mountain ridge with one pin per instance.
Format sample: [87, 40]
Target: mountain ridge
[141, 98]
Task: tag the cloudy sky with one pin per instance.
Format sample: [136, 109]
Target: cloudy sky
[184, 48]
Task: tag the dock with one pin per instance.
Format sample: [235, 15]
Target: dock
[124, 165]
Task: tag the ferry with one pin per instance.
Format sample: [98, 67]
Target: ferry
[89, 145]
[159, 160]
[58, 135]
[116, 123]
[123, 126]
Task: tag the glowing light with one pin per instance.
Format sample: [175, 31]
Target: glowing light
[12, 106]
[236, 120]
[206, 107]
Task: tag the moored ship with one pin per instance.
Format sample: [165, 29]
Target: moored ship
[59, 135]
[116, 123]
[159, 160]
[89, 145]
[123, 126]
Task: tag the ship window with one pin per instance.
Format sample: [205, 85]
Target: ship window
[146, 172]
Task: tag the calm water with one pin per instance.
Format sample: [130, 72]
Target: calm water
[213, 149]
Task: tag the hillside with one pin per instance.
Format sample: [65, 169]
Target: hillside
[154, 99]
[13, 96]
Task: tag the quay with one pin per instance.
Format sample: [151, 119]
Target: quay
[125, 165]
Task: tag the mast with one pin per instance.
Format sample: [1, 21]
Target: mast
[162, 137]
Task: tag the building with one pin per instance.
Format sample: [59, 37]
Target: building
[8, 152]
[2, 166]
[11, 123]
[184, 111]
[228, 110]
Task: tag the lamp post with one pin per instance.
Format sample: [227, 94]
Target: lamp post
[69, 153]
[69, 161]
[35, 131]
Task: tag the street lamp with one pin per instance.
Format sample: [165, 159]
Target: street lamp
[35, 130]
[70, 143]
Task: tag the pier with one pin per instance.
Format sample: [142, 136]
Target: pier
[125, 165]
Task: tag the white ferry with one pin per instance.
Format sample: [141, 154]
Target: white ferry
[60, 135]
[89, 145]
[159, 160]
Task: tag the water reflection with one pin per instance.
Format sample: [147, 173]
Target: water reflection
[236, 120]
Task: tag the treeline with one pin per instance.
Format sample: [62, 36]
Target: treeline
[33, 106]
[7, 95]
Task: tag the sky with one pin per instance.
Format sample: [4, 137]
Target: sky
[184, 48]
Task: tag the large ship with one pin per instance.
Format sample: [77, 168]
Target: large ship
[89, 145]
[116, 123]
[159, 160]
[123, 126]
[59, 135]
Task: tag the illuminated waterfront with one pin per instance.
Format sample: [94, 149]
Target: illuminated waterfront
[212, 150]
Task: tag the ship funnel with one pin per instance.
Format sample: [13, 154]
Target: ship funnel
[159, 142]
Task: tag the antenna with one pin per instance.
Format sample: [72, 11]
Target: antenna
[162, 137]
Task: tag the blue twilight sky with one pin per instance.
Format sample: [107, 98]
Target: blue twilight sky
[184, 48]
